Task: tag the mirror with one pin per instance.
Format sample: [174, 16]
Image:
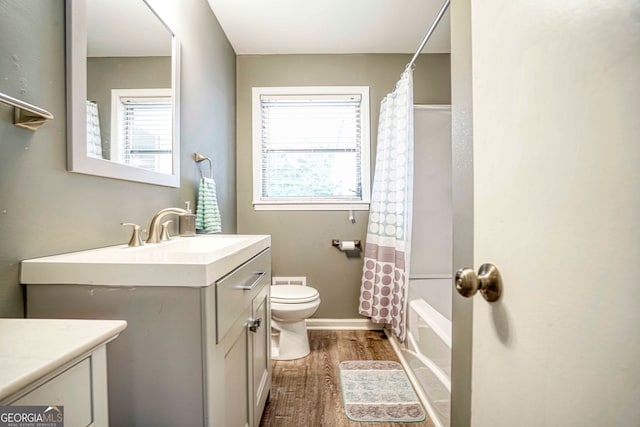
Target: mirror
[122, 92]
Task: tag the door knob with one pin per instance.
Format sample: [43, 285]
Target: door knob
[488, 281]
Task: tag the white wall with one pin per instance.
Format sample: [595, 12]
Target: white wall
[431, 233]
[432, 216]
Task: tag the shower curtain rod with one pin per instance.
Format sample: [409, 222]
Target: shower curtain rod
[436, 21]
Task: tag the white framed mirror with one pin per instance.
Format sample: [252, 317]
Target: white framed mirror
[122, 92]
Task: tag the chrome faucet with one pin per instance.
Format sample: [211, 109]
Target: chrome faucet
[155, 221]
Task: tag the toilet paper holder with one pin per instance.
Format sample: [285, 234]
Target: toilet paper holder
[339, 245]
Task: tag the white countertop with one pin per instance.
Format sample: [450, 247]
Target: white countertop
[183, 261]
[33, 348]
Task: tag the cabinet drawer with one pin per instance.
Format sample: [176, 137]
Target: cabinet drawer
[235, 291]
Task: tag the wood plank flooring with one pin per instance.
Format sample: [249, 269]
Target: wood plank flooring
[306, 392]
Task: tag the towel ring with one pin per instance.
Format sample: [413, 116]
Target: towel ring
[199, 158]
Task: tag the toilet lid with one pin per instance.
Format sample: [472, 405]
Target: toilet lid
[291, 294]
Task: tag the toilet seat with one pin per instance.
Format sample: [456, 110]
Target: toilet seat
[293, 294]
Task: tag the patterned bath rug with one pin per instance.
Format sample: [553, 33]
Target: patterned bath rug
[378, 390]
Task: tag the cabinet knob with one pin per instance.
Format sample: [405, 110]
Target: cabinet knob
[254, 324]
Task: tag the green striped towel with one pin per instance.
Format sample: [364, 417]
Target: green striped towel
[207, 212]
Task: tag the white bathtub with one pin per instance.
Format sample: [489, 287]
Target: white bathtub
[426, 354]
[435, 289]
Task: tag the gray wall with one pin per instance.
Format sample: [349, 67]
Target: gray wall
[106, 73]
[46, 210]
[302, 240]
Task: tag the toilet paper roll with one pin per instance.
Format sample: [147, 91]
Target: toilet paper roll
[347, 245]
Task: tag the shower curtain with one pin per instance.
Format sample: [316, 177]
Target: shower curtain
[94, 136]
[383, 294]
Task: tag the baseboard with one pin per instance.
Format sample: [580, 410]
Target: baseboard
[343, 324]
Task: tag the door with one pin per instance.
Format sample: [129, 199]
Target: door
[547, 95]
[260, 341]
[236, 390]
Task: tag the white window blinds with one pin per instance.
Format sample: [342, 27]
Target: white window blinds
[147, 139]
[144, 128]
[311, 147]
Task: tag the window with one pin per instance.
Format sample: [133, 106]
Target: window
[141, 128]
[311, 148]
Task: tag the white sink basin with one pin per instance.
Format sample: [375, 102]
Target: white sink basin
[183, 261]
[203, 244]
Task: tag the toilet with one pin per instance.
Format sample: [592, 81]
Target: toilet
[291, 305]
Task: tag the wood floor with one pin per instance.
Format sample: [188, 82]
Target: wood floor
[306, 392]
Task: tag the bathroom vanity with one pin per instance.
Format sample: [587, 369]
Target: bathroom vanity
[196, 351]
[54, 362]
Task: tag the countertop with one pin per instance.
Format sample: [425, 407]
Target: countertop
[33, 348]
[183, 261]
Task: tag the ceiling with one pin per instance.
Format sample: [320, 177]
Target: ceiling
[264, 27]
[139, 31]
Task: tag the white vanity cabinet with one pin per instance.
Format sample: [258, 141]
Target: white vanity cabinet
[74, 389]
[62, 363]
[192, 354]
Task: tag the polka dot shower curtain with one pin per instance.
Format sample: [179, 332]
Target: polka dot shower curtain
[383, 295]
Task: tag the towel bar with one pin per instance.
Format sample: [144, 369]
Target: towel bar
[26, 116]
[199, 158]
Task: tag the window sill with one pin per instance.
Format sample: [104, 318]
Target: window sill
[279, 206]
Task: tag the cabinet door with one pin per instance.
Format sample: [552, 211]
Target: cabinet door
[260, 339]
[71, 389]
[236, 374]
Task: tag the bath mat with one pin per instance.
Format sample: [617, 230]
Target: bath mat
[378, 390]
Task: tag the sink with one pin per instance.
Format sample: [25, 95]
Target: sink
[203, 244]
[183, 261]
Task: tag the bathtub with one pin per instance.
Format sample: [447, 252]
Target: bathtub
[426, 356]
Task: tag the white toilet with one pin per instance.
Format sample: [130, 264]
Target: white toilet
[291, 305]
